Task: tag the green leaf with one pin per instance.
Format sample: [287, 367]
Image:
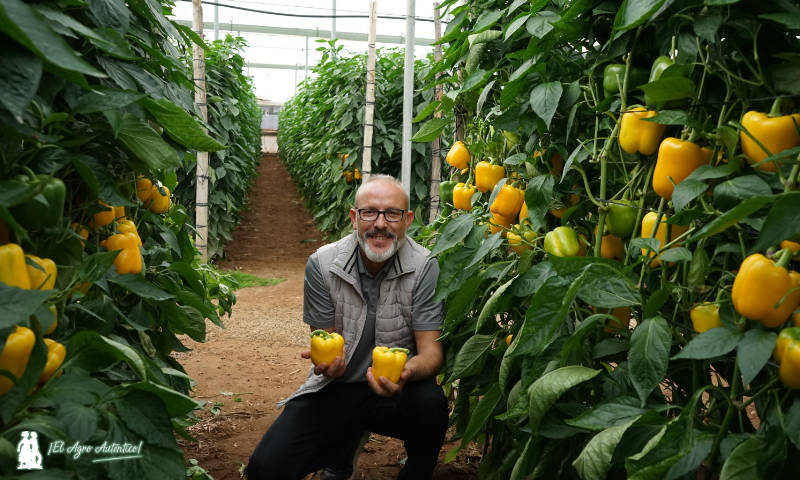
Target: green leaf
[491, 243]
[546, 313]
[545, 391]
[677, 254]
[454, 232]
[541, 24]
[649, 355]
[110, 41]
[111, 14]
[544, 100]
[95, 266]
[709, 344]
[753, 352]
[731, 192]
[80, 422]
[515, 25]
[484, 36]
[471, 357]
[750, 458]
[530, 281]
[783, 221]
[486, 20]
[180, 126]
[789, 20]
[670, 88]
[430, 130]
[19, 304]
[474, 80]
[615, 412]
[636, 12]
[538, 196]
[90, 340]
[606, 287]
[140, 286]
[20, 22]
[146, 144]
[791, 420]
[686, 191]
[670, 117]
[176, 402]
[482, 413]
[19, 79]
[594, 460]
[491, 306]
[730, 218]
[100, 100]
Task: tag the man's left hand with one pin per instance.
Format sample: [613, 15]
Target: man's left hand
[384, 387]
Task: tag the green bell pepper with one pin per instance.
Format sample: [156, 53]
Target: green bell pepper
[659, 65]
[46, 207]
[562, 242]
[446, 192]
[614, 75]
[621, 218]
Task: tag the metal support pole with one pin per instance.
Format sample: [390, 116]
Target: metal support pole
[216, 22]
[333, 25]
[408, 98]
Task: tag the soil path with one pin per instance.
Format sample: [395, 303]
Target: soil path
[244, 369]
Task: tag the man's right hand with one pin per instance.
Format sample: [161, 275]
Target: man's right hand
[334, 370]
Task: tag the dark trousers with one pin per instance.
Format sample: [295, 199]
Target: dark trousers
[323, 429]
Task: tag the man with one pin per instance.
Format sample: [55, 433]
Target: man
[375, 287]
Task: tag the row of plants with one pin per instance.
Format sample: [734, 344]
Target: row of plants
[617, 259]
[99, 274]
[326, 165]
[234, 119]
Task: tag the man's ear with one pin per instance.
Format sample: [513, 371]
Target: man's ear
[353, 218]
[409, 218]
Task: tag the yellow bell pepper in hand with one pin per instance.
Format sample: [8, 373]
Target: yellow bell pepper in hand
[13, 270]
[388, 362]
[325, 347]
[15, 355]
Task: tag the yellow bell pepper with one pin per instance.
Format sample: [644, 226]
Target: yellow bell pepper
[15, 355]
[52, 327]
[705, 316]
[55, 357]
[325, 347]
[125, 225]
[508, 201]
[458, 156]
[82, 231]
[519, 237]
[794, 247]
[43, 279]
[611, 247]
[158, 203]
[776, 134]
[104, 217]
[487, 176]
[637, 135]
[787, 354]
[648, 223]
[129, 259]
[676, 160]
[766, 291]
[144, 189]
[462, 196]
[497, 222]
[13, 270]
[388, 362]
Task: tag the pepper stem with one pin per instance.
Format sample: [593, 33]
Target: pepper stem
[400, 349]
[775, 110]
[784, 256]
[320, 332]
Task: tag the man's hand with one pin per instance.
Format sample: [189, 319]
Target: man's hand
[335, 369]
[384, 387]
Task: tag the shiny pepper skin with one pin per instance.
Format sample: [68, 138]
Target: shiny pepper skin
[125, 226]
[34, 214]
[676, 160]
[325, 347]
[105, 216]
[648, 222]
[43, 278]
[637, 135]
[787, 354]
[487, 176]
[13, 270]
[55, 357]
[508, 201]
[562, 242]
[15, 355]
[144, 189]
[705, 316]
[462, 196]
[621, 218]
[158, 203]
[446, 192]
[775, 133]
[129, 259]
[611, 247]
[388, 362]
[759, 285]
[497, 222]
[458, 156]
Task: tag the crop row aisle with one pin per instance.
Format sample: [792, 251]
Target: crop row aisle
[619, 251]
[99, 273]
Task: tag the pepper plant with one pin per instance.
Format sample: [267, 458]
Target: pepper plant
[98, 102]
[605, 375]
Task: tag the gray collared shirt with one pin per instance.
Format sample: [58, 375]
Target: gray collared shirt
[318, 309]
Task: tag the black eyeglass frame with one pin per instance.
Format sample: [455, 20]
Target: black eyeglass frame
[379, 213]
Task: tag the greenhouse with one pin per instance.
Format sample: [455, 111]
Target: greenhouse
[496, 239]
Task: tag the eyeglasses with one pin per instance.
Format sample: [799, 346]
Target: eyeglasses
[371, 214]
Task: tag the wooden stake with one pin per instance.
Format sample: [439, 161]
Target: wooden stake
[436, 159]
[369, 111]
[201, 180]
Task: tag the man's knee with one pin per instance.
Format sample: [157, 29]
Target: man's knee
[429, 405]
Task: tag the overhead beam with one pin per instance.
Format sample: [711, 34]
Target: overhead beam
[278, 66]
[308, 32]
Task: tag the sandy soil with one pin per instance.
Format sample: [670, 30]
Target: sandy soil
[245, 368]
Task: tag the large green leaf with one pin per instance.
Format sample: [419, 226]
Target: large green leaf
[730, 218]
[616, 412]
[545, 391]
[453, 233]
[19, 304]
[594, 460]
[482, 413]
[606, 287]
[140, 286]
[649, 355]
[472, 355]
[146, 144]
[490, 308]
[180, 126]
[430, 130]
[19, 21]
[710, 344]
[544, 100]
[753, 351]
[783, 221]
[19, 79]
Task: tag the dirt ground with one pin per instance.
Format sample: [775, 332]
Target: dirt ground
[244, 369]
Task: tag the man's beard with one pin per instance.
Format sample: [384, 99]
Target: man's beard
[372, 255]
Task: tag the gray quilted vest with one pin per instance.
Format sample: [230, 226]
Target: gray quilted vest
[393, 327]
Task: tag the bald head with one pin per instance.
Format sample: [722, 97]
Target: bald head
[382, 183]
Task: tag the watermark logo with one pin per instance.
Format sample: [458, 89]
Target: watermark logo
[28, 455]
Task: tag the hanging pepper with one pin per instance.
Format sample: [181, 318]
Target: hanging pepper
[676, 160]
[458, 156]
[648, 223]
[144, 189]
[15, 355]
[562, 242]
[388, 362]
[125, 226]
[82, 231]
[55, 357]
[105, 216]
[793, 247]
[614, 75]
[487, 176]
[705, 316]
[776, 133]
[518, 238]
[129, 259]
[159, 203]
[13, 270]
[620, 322]
[508, 201]
[44, 278]
[611, 246]
[659, 65]
[446, 192]
[761, 284]
[325, 347]
[462, 196]
[45, 208]
[523, 214]
[497, 222]
[621, 218]
[52, 327]
[637, 135]
[787, 354]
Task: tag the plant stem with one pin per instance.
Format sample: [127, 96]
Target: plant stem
[726, 421]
